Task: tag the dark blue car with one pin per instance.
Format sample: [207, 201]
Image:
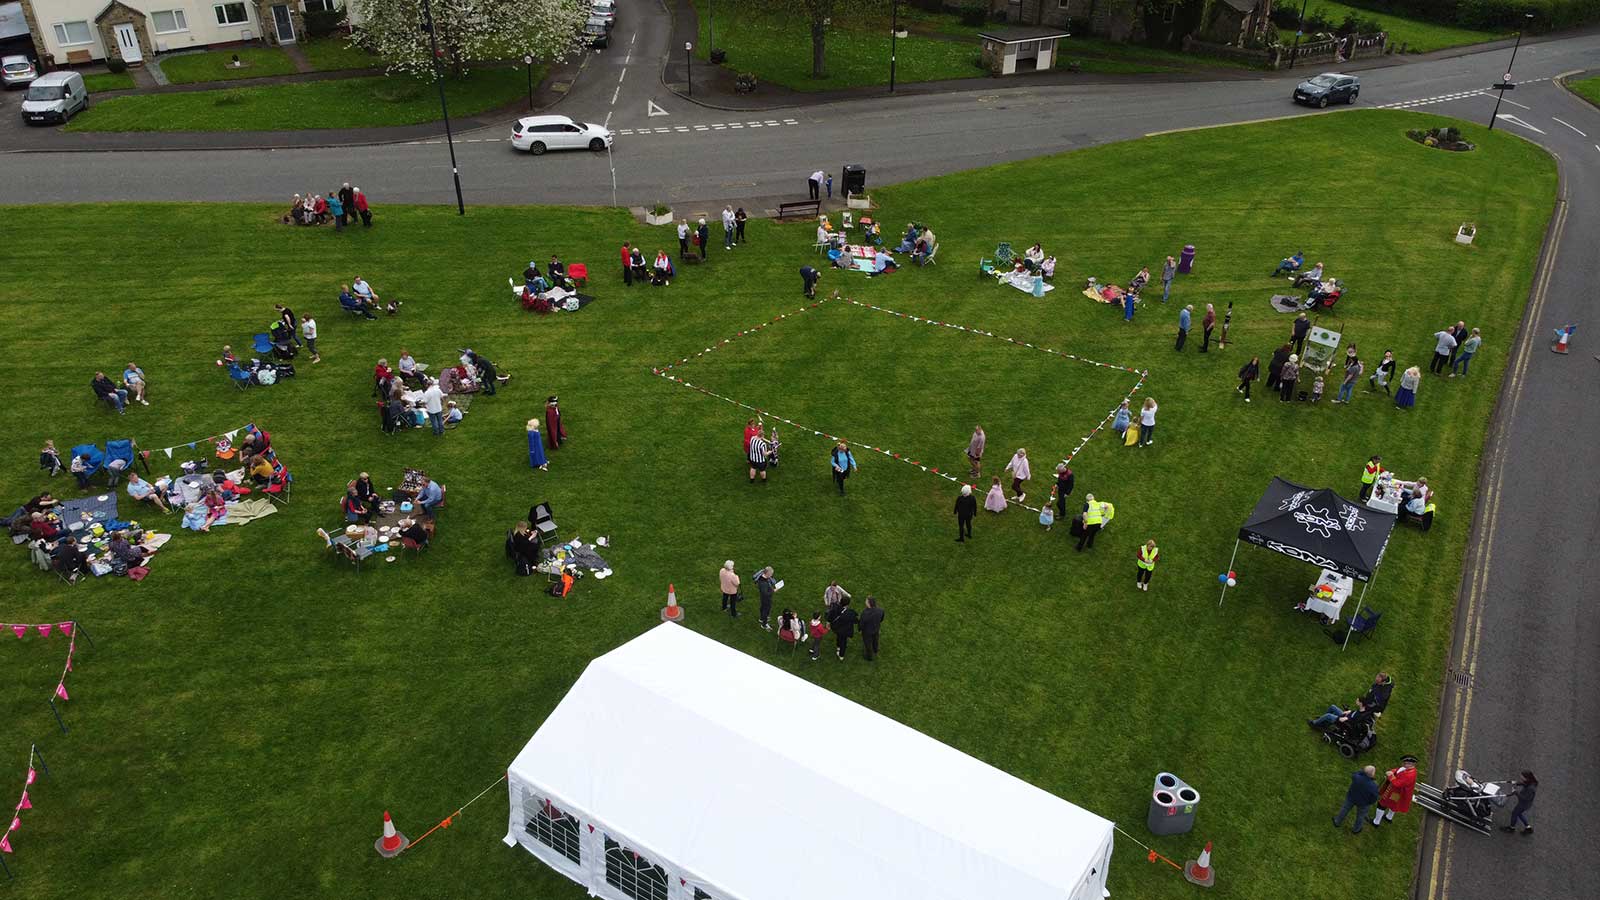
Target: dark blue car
[1329, 87]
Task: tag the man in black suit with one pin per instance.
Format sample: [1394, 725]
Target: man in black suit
[871, 624]
[844, 623]
[966, 508]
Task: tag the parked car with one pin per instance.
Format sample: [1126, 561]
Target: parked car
[54, 98]
[605, 9]
[595, 32]
[536, 134]
[1329, 87]
[16, 71]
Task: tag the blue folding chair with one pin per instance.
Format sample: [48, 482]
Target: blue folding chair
[263, 343]
[118, 450]
[96, 458]
[239, 377]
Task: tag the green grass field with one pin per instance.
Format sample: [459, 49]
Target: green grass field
[212, 65]
[344, 103]
[1587, 88]
[332, 53]
[1418, 35]
[107, 81]
[255, 705]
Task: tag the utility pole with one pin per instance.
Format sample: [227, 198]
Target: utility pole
[1299, 29]
[449, 139]
[1506, 84]
[894, 39]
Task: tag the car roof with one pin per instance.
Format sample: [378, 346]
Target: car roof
[547, 120]
[12, 59]
[1334, 75]
[55, 78]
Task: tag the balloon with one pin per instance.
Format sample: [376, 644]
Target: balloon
[1230, 575]
[1232, 582]
[1222, 578]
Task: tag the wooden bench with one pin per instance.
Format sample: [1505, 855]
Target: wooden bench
[79, 58]
[796, 208]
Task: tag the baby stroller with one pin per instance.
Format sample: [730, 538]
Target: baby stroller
[283, 342]
[1466, 801]
[1352, 740]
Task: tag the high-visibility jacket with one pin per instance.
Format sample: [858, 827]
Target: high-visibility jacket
[1107, 513]
[1148, 556]
[1093, 513]
[1370, 473]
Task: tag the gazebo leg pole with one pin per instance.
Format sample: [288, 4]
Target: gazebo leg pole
[1359, 600]
[1229, 569]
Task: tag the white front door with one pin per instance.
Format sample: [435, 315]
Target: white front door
[128, 43]
[283, 23]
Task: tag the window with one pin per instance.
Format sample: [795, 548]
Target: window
[632, 874]
[231, 14]
[69, 33]
[322, 6]
[552, 827]
[169, 21]
[1063, 4]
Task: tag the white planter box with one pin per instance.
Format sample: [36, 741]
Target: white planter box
[859, 202]
[663, 219]
[1464, 235]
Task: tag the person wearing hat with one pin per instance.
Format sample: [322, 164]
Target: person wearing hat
[729, 580]
[555, 434]
[1399, 784]
[966, 509]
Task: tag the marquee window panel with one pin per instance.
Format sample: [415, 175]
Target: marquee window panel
[553, 827]
[634, 875]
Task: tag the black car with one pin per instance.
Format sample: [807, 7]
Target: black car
[1329, 87]
[595, 33]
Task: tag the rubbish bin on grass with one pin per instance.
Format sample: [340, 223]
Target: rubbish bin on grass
[1186, 259]
[854, 179]
[1172, 805]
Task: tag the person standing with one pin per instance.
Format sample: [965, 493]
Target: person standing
[347, 198]
[702, 236]
[809, 277]
[814, 185]
[832, 596]
[871, 625]
[1129, 298]
[765, 588]
[728, 579]
[683, 238]
[966, 509]
[1275, 367]
[844, 462]
[1444, 347]
[1469, 349]
[1020, 472]
[1094, 517]
[727, 228]
[1147, 422]
[1352, 373]
[1227, 319]
[1399, 784]
[1208, 322]
[1248, 372]
[1362, 794]
[818, 629]
[336, 208]
[555, 433]
[363, 208]
[1287, 378]
[844, 624]
[1302, 327]
[1064, 483]
[308, 330]
[1406, 396]
[1382, 374]
[1183, 326]
[758, 450]
[975, 450]
[1169, 270]
[1524, 790]
[1369, 476]
[627, 264]
[536, 457]
[1459, 332]
[739, 218]
[290, 323]
[829, 181]
[1148, 554]
[433, 403]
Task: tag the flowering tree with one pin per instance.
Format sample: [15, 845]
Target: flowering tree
[468, 31]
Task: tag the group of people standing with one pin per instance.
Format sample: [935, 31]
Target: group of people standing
[836, 616]
[346, 204]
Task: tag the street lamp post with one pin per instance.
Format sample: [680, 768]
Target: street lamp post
[688, 62]
[449, 139]
[1299, 29]
[1505, 85]
[894, 38]
[527, 60]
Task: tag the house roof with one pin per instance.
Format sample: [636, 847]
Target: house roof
[101, 16]
[1244, 6]
[1022, 33]
[784, 766]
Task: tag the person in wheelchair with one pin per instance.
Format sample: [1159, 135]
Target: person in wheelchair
[1312, 275]
[1346, 720]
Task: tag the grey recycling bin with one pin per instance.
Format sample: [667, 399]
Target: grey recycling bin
[854, 179]
[1186, 259]
[1172, 805]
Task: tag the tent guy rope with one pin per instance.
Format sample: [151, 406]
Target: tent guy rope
[447, 821]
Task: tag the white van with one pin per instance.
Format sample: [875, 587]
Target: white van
[54, 98]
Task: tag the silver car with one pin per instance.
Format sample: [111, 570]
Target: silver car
[16, 71]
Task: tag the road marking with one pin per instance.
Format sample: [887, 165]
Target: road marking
[735, 125]
[701, 128]
[1426, 101]
[621, 75]
[635, 37]
[1514, 103]
[663, 130]
[627, 59]
[607, 122]
[1516, 121]
[1223, 125]
[614, 95]
[790, 122]
[651, 110]
[719, 127]
[1597, 146]
[1570, 125]
[680, 128]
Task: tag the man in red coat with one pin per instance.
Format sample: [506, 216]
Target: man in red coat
[554, 434]
[627, 264]
[1398, 786]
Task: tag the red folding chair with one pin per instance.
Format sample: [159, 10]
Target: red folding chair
[579, 273]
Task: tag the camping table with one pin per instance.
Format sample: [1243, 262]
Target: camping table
[1386, 493]
[1342, 588]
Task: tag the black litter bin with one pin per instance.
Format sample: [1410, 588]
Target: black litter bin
[855, 179]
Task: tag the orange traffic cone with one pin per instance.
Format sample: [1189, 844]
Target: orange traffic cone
[1200, 871]
[1562, 336]
[672, 612]
[392, 842]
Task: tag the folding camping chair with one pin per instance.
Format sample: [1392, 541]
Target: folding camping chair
[240, 378]
[121, 450]
[1361, 625]
[280, 484]
[579, 273]
[543, 524]
[263, 343]
[96, 460]
[1003, 254]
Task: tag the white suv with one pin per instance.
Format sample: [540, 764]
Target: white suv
[536, 134]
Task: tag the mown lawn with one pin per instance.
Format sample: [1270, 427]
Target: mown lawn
[213, 65]
[343, 103]
[253, 707]
[107, 81]
[1419, 36]
[333, 53]
[1587, 88]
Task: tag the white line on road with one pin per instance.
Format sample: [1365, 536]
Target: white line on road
[628, 58]
[1516, 121]
[607, 122]
[663, 130]
[635, 37]
[1597, 146]
[1515, 103]
[1570, 125]
[614, 95]
[621, 75]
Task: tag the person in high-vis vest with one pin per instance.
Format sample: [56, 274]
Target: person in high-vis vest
[1093, 518]
[1369, 476]
[1148, 554]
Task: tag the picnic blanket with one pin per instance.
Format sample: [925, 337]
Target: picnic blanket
[1023, 281]
[243, 512]
[79, 515]
[862, 257]
[583, 556]
[1108, 293]
[558, 297]
[1287, 303]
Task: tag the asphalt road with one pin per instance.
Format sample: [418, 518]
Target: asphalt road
[1527, 647]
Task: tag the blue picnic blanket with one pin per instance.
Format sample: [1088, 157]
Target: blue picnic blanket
[87, 511]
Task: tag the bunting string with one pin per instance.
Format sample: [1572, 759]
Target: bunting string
[25, 803]
[213, 439]
[667, 372]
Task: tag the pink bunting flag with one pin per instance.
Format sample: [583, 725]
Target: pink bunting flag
[5, 843]
[61, 691]
[20, 630]
[31, 775]
[26, 802]
[44, 630]
[16, 822]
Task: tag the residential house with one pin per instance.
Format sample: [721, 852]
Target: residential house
[1238, 22]
[70, 32]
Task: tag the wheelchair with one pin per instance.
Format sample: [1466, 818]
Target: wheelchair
[1352, 741]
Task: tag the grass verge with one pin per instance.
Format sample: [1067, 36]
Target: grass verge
[1419, 36]
[344, 103]
[1587, 88]
[107, 81]
[213, 65]
[254, 692]
[331, 54]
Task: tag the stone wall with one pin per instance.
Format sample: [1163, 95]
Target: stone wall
[118, 14]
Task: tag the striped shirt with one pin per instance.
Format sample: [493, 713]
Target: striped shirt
[758, 449]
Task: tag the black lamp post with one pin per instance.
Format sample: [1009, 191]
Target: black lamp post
[1506, 84]
[688, 62]
[527, 60]
[449, 139]
[894, 38]
[1299, 29]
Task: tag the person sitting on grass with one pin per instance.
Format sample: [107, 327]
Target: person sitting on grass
[881, 263]
[43, 526]
[69, 559]
[1291, 264]
[525, 548]
[50, 459]
[532, 274]
[452, 414]
[354, 304]
[1033, 258]
[124, 554]
[1048, 267]
[145, 492]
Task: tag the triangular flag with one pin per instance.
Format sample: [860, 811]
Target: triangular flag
[44, 630]
[233, 434]
[26, 803]
[69, 662]
[168, 452]
[16, 822]
[20, 630]
[66, 628]
[31, 775]
[61, 691]
[5, 844]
